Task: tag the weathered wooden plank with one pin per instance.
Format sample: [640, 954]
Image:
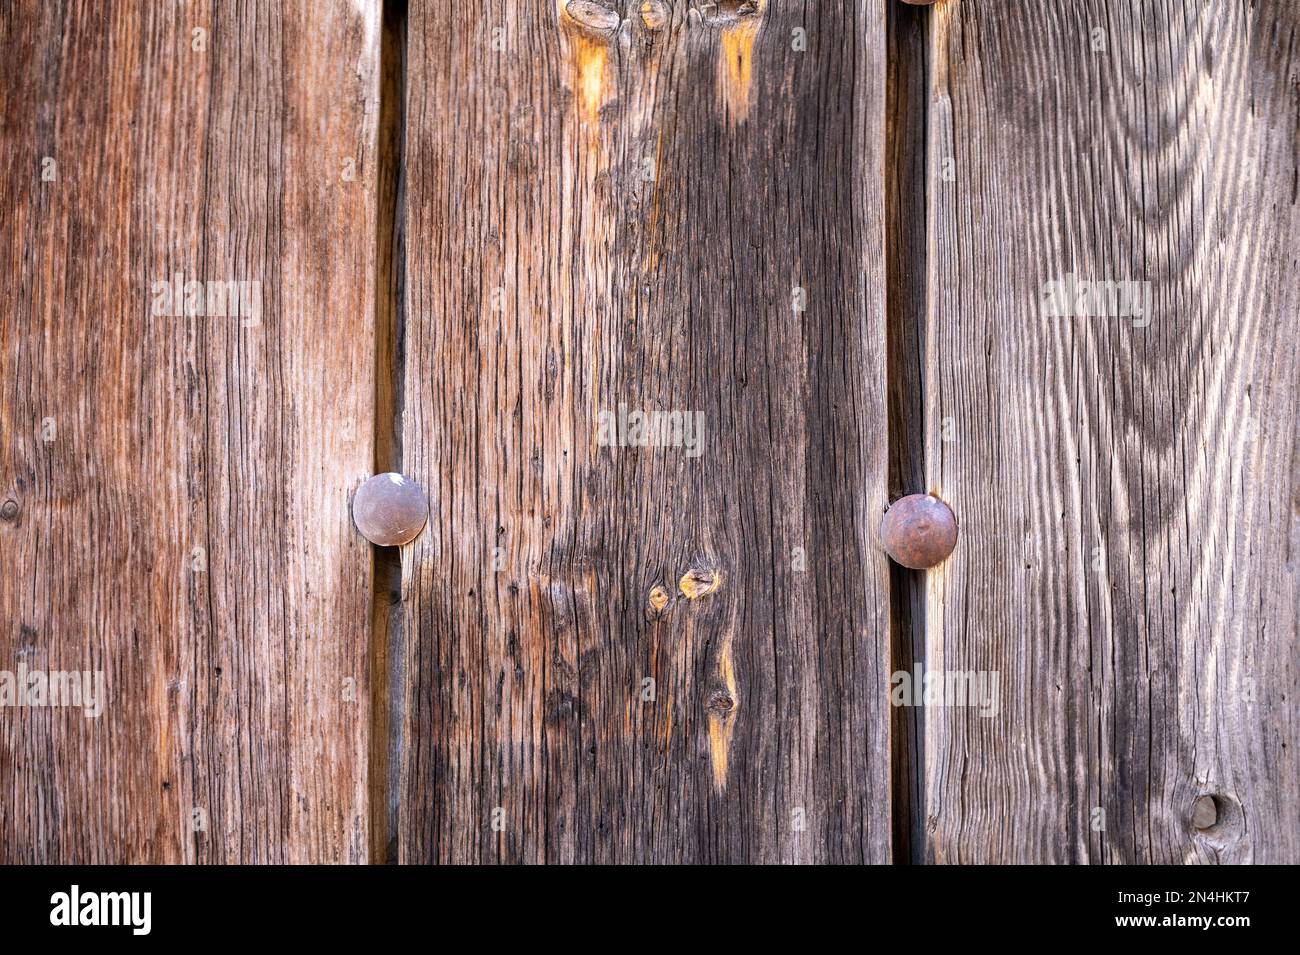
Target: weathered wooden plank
[662, 207]
[1126, 486]
[179, 483]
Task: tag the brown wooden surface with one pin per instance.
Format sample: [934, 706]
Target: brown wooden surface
[226, 686]
[1127, 495]
[476, 227]
[526, 171]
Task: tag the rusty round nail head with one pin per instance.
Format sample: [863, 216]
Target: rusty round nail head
[390, 510]
[919, 531]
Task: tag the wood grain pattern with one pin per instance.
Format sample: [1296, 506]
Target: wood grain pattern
[180, 484]
[822, 234]
[1127, 494]
[614, 207]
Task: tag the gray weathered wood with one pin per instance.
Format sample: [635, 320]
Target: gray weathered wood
[1127, 494]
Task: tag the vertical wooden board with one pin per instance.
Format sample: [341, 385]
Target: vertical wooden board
[662, 207]
[176, 487]
[1125, 485]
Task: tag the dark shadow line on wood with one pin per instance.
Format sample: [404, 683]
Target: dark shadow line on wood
[390, 364]
[906, 104]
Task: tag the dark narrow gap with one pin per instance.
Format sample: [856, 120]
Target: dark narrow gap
[907, 98]
[387, 631]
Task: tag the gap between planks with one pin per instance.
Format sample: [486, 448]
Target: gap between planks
[906, 201]
[390, 373]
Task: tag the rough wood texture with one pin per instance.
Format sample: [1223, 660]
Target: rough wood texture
[828, 237]
[1127, 494]
[128, 439]
[645, 188]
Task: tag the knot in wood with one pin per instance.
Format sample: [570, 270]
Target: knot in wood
[723, 13]
[593, 17]
[699, 583]
[654, 14]
[720, 702]
[658, 599]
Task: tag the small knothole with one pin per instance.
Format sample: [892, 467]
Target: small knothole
[657, 602]
[1218, 817]
[1205, 813]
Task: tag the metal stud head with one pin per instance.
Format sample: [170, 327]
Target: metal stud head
[919, 531]
[390, 510]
